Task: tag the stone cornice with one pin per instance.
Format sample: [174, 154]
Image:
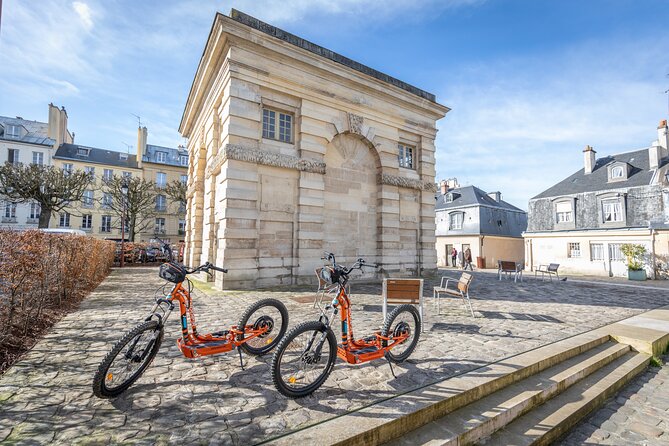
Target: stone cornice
[409, 183]
[257, 156]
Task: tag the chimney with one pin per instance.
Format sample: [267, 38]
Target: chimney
[57, 125]
[663, 135]
[589, 159]
[444, 187]
[497, 196]
[141, 144]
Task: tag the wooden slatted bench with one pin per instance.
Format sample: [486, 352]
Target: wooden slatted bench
[403, 291]
[508, 267]
[461, 290]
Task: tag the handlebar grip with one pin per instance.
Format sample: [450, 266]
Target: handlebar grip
[216, 268]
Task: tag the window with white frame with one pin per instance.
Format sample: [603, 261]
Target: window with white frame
[612, 210]
[405, 156]
[64, 221]
[86, 221]
[127, 174]
[596, 251]
[10, 210]
[183, 160]
[615, 253]
[122, 156]
[182, 227]
[184, 179]
[35, 211]
[38, 158]
[277, 125]
[617, 172]
[455, 220]
[67, 167]
[564, 212]
[13, 156]
[107, 174]
[448, 198]
[106, 223]
[90, 170]
[160, 226]
[161, 157]
[574, 250]
[107, 200]
[161, 179]
[161, 202]
[12, 131]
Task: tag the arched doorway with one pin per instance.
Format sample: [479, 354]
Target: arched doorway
[350, 225]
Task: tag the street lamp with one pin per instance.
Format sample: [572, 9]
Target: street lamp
[124, 196]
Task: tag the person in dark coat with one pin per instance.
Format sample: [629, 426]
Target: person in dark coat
[468, 259]
[454, 256]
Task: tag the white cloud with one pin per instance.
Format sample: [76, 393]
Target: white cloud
[84, 13]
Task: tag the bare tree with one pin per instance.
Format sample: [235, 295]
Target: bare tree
[140, 203]
[51, 187]
[176, 191]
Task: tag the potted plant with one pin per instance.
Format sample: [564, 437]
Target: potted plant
[635, 254]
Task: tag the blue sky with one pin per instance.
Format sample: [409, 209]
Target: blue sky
[530, 83]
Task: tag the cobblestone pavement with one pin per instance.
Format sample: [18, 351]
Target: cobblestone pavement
[46, 397]
[637, 415]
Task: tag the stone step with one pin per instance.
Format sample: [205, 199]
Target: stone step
[483, 417]
[548, 422]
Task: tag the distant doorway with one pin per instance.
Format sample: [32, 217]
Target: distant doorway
[449, 260]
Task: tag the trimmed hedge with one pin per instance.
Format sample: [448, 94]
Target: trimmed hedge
[41, 275]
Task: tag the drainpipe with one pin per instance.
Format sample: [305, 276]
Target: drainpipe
[652, 252]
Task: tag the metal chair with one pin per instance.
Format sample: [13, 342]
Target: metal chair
[461, 289]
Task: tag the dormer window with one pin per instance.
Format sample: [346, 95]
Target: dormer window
[612, 211]
[122, 156]
[617, 172]
[161, 157]
[564, 212]
[82, 151]
[12, 131]
[448, 198]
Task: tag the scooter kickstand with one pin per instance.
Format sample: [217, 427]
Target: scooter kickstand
[391, 368]
[241, 363]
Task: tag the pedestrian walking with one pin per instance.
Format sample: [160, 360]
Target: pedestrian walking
[468, 259]
[454, 256]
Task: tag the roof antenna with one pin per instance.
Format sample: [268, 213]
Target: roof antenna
[139, 120]
[128, 146]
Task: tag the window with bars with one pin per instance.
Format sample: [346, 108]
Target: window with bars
[574, 250]
[277, 125]
[596, 251]
[405, 156]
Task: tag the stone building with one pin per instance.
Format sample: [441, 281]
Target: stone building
[581, 221]
[296, 150]
[467, 217]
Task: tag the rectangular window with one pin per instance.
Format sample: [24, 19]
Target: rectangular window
[108, 174]
[90, 170]
[106, 223]
[35, 211]
[455, 220]
[127, 174]
[122, 156]
[38, 158]
[10, 210]
[612, 210]
[161, 179]
[13, 131]
[183, 160]
[277, 125]
[64, 221]
[160, 226]
[596, 251]
[13, 156]
[614, 252]
[67, 167]
[563, 217]
[161, 203]
[107, 200]
[161, 157]
[574, 250]
[86, 221]
[184, 179]
[81, 151]
[87, 198]
[182, 227]
[405, 156]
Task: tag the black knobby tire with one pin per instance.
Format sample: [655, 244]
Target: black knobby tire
[403, 314]
[281, 375]
[144, 333]
[263, 344]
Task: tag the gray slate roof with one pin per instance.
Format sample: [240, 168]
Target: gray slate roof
[468, 196]
[172, 157]
[36, 131]
[95, 156]
[579, 182]
[273, 31]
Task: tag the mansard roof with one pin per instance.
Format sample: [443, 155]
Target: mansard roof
[35, 131]
[471, 196]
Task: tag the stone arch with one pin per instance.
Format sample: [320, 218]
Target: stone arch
[351, 197]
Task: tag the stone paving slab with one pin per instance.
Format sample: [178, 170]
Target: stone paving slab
[46, 397]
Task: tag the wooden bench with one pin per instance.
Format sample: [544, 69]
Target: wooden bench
[507, 267]
[551, 270]
[403, 291]
[461, 290]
